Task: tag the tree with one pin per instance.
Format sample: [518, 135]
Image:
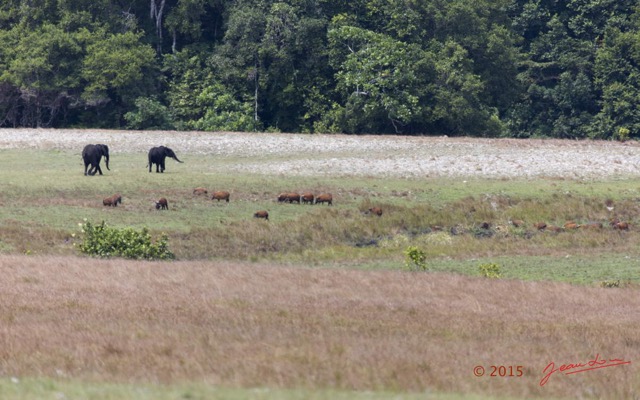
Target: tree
[379, 78]
[40, 66]
[458, 108]
[149, 114]
[618, 76]
[560, 96]
[63, 60]
[114, 69]
[238, 60]
[187, 75]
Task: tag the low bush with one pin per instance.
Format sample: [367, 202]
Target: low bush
[491, 270]
[415, 259]
[104, 241]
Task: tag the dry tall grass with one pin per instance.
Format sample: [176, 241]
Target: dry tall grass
[262, 325]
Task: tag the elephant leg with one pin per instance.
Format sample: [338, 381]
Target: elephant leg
[94, 167]
[98, 169]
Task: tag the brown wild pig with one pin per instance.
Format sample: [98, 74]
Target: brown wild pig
[621, 225]
[162, 204]
[540, 225]
[289, 197]
[261, 214]
[571, 225]
[517, 223]
[112, 201]
[293, 197]
[325, 198]
[307, 198]
[199, 191]
[220, 195]
[376, 211]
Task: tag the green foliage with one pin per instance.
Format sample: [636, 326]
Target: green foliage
[623, 134]
[55, 68]
[149, 114]
[190, 76]
[115, 62]
[516, 68]
[415, 259]
[39, 72]
[381, 79]
[490, 270]
[458, 107]
[104, 241]
[222, 112]
[618, 76]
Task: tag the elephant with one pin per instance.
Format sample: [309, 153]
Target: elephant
[91, 154]
[157, 156]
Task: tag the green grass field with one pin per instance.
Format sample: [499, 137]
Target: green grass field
[43, 201]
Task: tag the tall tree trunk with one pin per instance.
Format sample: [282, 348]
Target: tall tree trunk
[255, 96]
[156, 14]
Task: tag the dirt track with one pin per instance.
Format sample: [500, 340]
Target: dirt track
[342, 155]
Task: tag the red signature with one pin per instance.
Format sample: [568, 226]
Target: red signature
[568, 369]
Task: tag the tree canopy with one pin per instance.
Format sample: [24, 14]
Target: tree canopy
[516, 68]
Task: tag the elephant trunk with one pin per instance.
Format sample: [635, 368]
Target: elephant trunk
[106, 161]
[176, 158]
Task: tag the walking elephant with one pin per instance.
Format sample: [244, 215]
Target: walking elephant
[157, 156]
[92, 154]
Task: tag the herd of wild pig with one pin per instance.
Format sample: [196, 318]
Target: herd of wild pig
[288, 197]
[92, 154]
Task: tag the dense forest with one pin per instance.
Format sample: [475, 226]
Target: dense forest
[515, 68]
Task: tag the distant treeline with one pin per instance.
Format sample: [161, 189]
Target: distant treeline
[516, 68]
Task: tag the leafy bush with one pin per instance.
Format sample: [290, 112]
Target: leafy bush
[415, 259]
[104, 241]
[623, 134]
[491, 270]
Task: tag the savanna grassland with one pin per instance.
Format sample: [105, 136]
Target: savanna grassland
[317, 302]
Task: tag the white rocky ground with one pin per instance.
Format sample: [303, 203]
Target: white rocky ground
[345, 155]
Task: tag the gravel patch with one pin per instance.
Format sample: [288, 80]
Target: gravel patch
[367, 155]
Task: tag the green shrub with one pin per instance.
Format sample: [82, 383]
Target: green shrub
[623, 134]
[491, 270]
[104, 241]
[415, 259]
